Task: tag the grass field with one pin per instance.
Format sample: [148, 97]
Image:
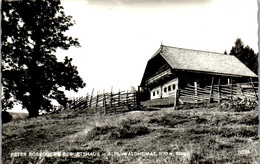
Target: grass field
[154, 135]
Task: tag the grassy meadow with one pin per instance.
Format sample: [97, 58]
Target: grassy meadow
[149, 135]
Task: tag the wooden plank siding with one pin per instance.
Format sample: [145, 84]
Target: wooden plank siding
[158, 76]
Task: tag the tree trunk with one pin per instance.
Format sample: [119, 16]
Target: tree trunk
[33, 112]
[35, 101]
[35, 91]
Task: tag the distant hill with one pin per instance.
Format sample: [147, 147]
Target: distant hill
[12, 115]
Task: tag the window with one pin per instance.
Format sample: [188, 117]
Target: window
[165, 89]
[153, 93]
[169, 88]
[157, 92]
[173, 86]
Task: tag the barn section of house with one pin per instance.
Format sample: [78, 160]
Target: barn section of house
[171, 68]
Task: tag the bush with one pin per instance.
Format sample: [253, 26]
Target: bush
[6, 117]
[249, 120]
[240, 105]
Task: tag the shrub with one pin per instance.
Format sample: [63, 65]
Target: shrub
[249, 120]
[240, 105]
[6, 117]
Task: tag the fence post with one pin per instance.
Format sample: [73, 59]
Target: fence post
[97, 100]
[127, 98]
[176, 98]
[86, 101]
[138, 97]
[196, 91]
[219, 90]
[90, 101]
[134, 98]
[231, 91]
[111, 98]
[118, 104]
[253, 88]
[74, 102]
[104, 103]
[211, 90]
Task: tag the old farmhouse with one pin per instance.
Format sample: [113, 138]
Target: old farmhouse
[171, 68]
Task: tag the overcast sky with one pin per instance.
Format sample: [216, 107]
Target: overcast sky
[119, 36]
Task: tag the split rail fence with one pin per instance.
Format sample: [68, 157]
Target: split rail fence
[106, 101]
[217, 93]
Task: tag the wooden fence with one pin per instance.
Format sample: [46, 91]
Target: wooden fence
[111, 101]
[106, 101]
[217, 93]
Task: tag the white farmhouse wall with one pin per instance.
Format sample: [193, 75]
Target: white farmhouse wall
[167, 89]
[156, 93]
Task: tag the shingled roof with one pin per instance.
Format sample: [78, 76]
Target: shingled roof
[203, 61]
